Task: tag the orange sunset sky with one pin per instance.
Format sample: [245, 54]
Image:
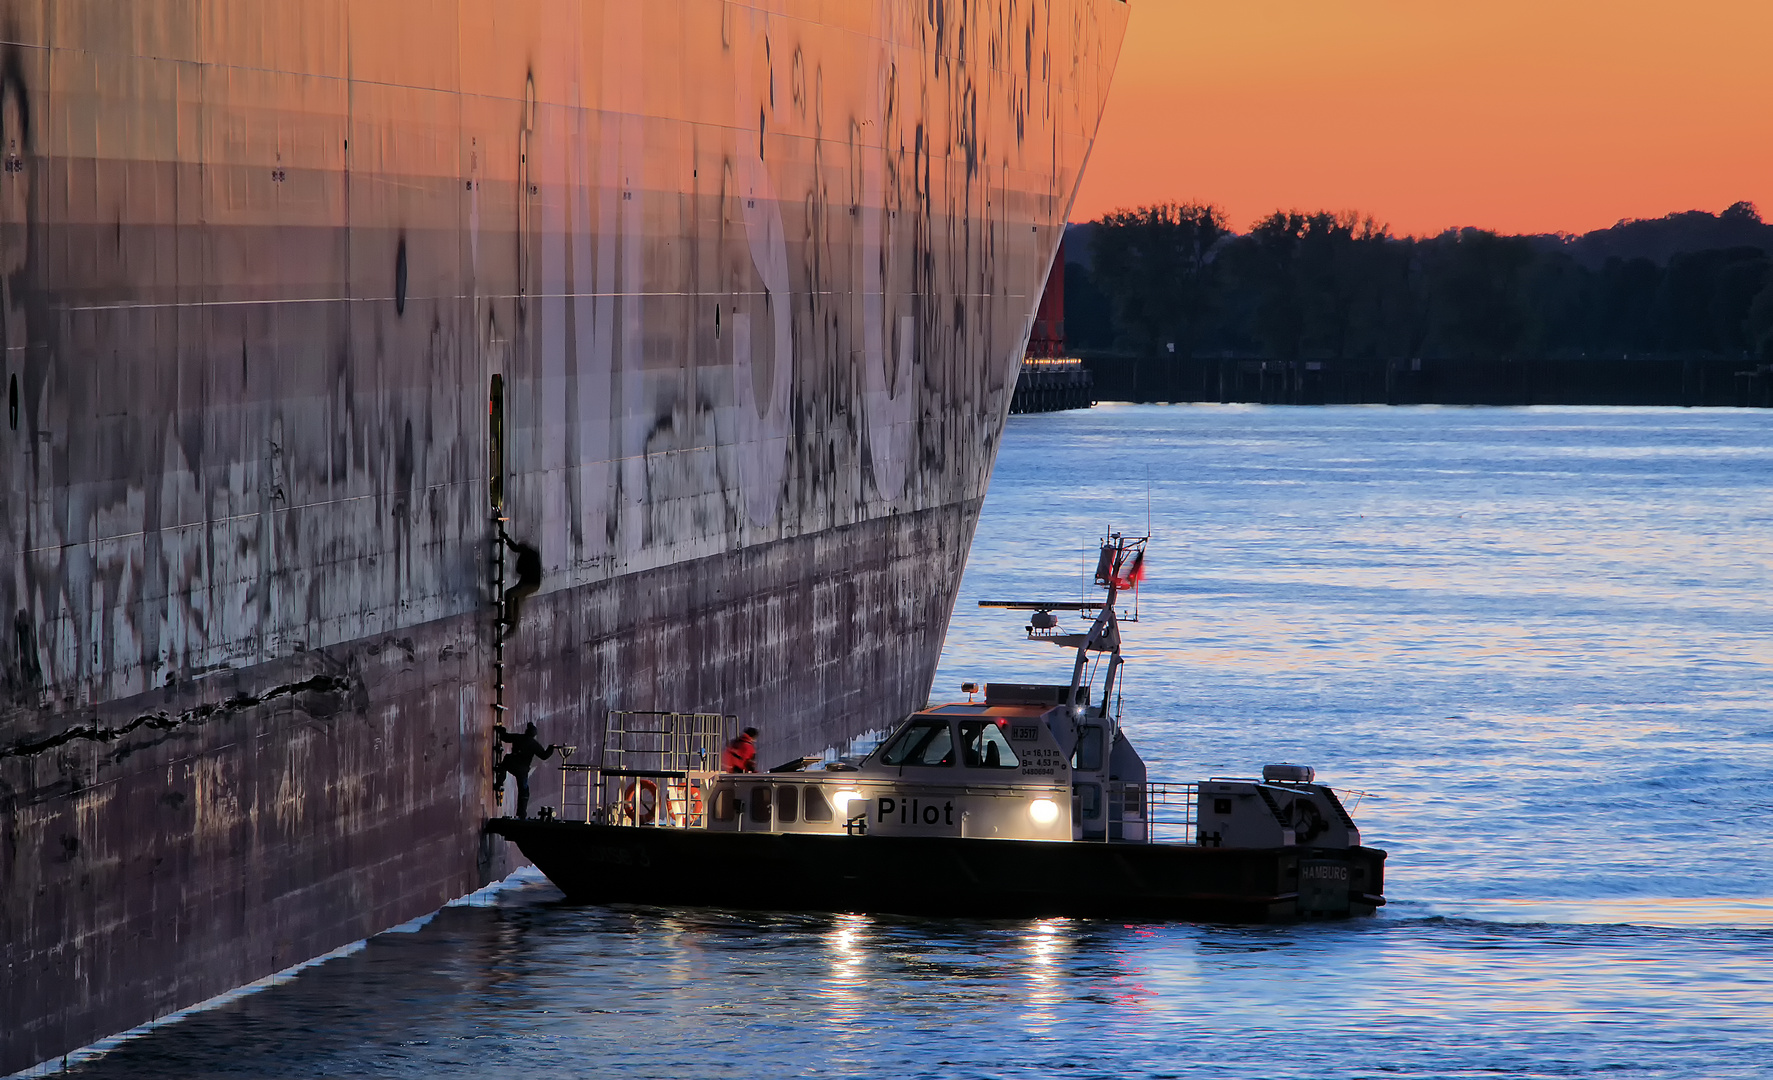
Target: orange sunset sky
[1514, 115]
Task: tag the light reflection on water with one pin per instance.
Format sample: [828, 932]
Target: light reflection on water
[1539, 639]
[535, 986]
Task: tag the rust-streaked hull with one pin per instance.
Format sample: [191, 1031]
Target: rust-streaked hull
[260, 264]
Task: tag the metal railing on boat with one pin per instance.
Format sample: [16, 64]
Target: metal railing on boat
[663, 798]
[653, 769]
[1171, 812]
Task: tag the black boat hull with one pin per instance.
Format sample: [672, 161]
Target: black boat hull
[948, 876]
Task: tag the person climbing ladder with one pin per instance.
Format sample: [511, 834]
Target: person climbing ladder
[525, 749]
[529, 580]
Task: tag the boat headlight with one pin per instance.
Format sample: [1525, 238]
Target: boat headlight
[1043, 811]
[843, 800]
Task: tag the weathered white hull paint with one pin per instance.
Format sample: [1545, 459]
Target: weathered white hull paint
[757, 277]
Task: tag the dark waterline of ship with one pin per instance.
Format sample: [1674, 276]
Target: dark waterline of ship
[1538, 637]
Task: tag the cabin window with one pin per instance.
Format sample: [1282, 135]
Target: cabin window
[759, 802]
[787, 803]
[1089, 750]
[817, 809]
[983, 746]
[725, 805]
[926, 742]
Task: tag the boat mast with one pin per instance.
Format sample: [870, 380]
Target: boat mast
[1118, 568]
[1103, 636]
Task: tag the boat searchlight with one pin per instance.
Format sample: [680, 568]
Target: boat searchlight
[1043, 811]
[843, 800]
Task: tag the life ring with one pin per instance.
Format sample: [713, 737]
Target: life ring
[1308, 822]
[640, 800]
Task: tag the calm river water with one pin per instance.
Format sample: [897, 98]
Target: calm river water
[1540, 638]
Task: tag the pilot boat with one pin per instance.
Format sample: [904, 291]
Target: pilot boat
[1029, 802]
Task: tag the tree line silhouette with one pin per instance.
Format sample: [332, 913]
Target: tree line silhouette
[1173, 280]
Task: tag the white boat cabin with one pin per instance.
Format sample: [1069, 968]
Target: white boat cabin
[997, 769]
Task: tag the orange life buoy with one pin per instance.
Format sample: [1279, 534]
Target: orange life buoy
[640, 800]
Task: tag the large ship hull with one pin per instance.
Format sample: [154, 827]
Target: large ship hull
[751, 282]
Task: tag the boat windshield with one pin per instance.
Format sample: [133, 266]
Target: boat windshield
[983, 746]
[925, 742]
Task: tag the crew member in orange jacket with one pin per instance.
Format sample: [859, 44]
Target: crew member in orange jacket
[741, 754]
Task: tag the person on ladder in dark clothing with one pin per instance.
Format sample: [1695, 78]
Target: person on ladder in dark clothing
[525, 749]
[529, 579]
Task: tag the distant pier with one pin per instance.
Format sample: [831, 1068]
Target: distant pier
[1053, 385]
[1678, 380]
